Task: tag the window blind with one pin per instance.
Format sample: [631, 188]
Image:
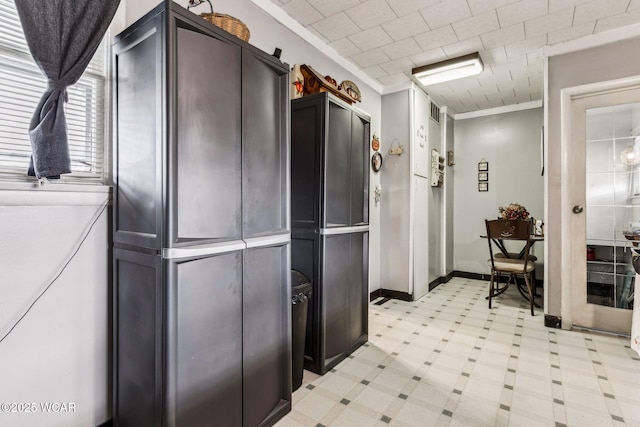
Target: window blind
[21, 86]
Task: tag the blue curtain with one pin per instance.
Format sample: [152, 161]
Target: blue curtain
[63, 36]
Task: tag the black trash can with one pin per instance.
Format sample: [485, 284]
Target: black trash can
[300, 293]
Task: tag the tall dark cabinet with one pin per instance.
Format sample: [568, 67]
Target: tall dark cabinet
[330, 223]
[201, 227]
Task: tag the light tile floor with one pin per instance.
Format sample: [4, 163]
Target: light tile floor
[447, 360]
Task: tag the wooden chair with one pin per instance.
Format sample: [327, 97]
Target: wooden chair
[499, 231]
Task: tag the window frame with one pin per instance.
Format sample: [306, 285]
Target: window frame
[95, 80]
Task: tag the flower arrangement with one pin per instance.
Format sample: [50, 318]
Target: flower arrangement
[514, 211]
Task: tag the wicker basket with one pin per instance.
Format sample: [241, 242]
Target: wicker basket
[229, 24]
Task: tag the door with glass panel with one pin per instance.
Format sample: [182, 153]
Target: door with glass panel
[605, 194]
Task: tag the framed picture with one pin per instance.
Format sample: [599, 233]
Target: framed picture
[483, 186]
[483, 166]
[483, 176]
[376, 161]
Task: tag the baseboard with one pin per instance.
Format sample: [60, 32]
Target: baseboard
[479, 276]
[553, 321]
[388, 293]
[404, 296]
[440, 280]
[108, 423]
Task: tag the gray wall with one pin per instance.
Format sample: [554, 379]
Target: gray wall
[510, 142]
[599, 64]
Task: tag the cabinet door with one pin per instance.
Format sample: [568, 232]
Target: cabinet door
[307, 134]
[337, 174]
[335, 279]
[358, 289]
[359, 170]
[138, 147]
[204, 349]
[137, 315]
[206, 170]
[266, 334]
[264, 147]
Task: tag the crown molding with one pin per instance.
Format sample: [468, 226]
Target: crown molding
[282, 17]
[593, 40]
[499, 110]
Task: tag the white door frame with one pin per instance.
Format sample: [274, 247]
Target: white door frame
[567, 95]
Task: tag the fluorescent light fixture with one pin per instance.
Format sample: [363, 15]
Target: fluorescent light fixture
[463, 66]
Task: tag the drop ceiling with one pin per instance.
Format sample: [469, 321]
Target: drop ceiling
[385, 39]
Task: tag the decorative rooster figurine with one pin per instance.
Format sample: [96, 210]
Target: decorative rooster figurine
[194, 3]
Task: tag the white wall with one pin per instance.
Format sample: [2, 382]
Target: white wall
[59, 351]
[510, 142]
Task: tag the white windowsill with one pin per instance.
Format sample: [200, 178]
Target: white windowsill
[52, 194]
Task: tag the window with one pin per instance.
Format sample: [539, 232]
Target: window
[21, 86]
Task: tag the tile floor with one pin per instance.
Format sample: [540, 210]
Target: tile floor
[447, 360]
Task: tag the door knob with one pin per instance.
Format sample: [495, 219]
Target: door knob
[577, 209]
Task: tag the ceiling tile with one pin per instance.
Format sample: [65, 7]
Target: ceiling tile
[557, 5]
[371, 13]
[439, 15]
[494, 96]
[317, 34]
[336, 27]
[546, 24]
[476, 25]
[404, 27]
[369, 58]
[406, 47]
[501, 37]
[612, 22]
[464, 48]
[386, 38]
[525, 47]
[429, 57]
[331, 7]
[493, 56]
[436, 38]
[345, 47]
[534, 58]
[302, 12]
[405, 7]
[371, 38]
[480, 6]
[394, 79]
[375, 72]
[599, 9]
[521, 11]
[403, 65]
[480, 91]
[571, 33]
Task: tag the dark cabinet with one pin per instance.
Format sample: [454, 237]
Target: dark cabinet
[201, 227]
[330, 214]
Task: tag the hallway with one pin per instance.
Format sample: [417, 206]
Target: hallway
[447, 360]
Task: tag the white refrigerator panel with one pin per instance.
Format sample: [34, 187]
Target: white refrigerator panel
[421, 154]
[420, 237]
